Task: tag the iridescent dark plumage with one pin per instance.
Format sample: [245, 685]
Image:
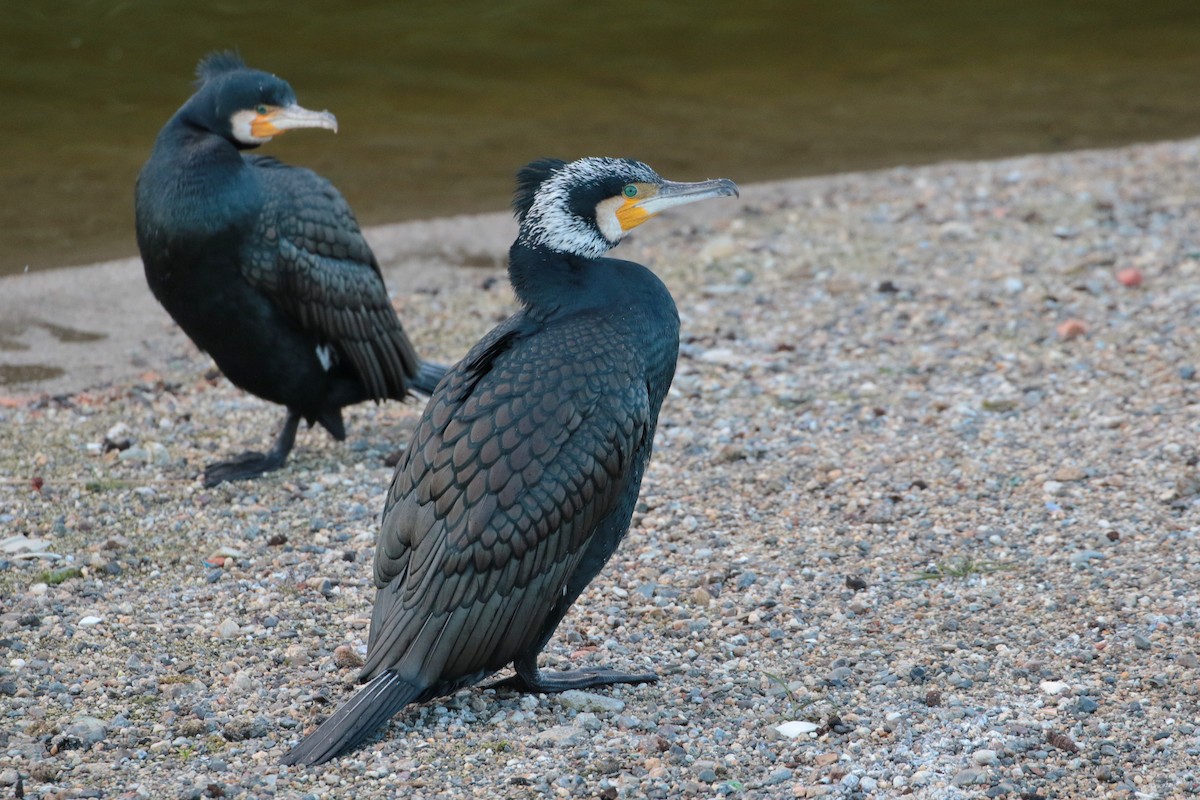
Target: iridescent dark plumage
[521, 477]
[263, 265]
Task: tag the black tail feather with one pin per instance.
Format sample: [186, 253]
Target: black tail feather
[428, 376]
[355, 721]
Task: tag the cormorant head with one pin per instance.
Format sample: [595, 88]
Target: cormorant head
[587, 206]
[246, 106]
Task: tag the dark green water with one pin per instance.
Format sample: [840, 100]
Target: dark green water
[439, 103]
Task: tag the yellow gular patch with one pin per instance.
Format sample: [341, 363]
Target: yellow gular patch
[630, 214]
[263, 126]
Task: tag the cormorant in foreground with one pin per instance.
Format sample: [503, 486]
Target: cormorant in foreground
[263, 265]
[522, 475]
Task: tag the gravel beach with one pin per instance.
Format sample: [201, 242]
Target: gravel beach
[922, 519]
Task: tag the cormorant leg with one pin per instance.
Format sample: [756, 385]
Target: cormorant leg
[530, 679]
[252, 464]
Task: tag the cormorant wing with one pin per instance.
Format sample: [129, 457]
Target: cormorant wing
[521, 455]
[308, 254]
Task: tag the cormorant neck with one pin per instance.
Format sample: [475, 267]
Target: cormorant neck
[548, 279]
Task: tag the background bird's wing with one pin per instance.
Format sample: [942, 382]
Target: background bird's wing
[522, 452]
[309, 255]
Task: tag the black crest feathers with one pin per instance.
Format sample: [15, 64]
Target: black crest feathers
[218, 63]
[529, 178]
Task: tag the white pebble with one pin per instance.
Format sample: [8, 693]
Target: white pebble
[89, 621]
[796, 728]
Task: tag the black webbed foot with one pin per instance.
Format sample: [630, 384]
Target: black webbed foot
[543, 682]
[251, 464]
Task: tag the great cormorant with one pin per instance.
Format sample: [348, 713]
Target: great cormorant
[263, 265]
[521, 477]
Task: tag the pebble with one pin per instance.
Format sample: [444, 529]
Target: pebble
[968, 777]
[1130, 277]
[1071, 329]
[345, 657]
[795, 728]
[90, 621]
[580, 700]
[88, 730]
[984, 757]
[561, 736]
[227, 629]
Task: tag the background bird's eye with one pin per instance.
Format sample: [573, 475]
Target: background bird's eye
[262, 109]
[630, 190]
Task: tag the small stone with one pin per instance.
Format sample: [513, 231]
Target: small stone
[723, 356]
[968, 777]
[1054, 488]
[1068, 474]
[780, 775]
[90, 621]
[137, 455]
[561, 736]
[88, 730]
[1053, 688]
[1000, 405]
[718, 248]
[243, 728]
[193, 727]
[1070, 329]
[1062, 742]
[345, 657]
[296, 655]
[157, 454]
[795, 728]
[840, 675]
[1081, 558]
[587, 701]
[1086, 705]
[588, 721]
[1130, 277]
[984, 757]
[227, 629]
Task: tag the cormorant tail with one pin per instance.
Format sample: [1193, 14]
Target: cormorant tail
[428, 376]
[356, 720]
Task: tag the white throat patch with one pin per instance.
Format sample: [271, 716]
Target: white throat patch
[240, 122]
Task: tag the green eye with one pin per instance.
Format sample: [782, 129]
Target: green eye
[262, 109]
[630, 190]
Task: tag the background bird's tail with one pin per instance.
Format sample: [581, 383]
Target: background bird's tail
[374, 705]
[428, 376]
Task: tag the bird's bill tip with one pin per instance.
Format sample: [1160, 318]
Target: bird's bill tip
[286, 118]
